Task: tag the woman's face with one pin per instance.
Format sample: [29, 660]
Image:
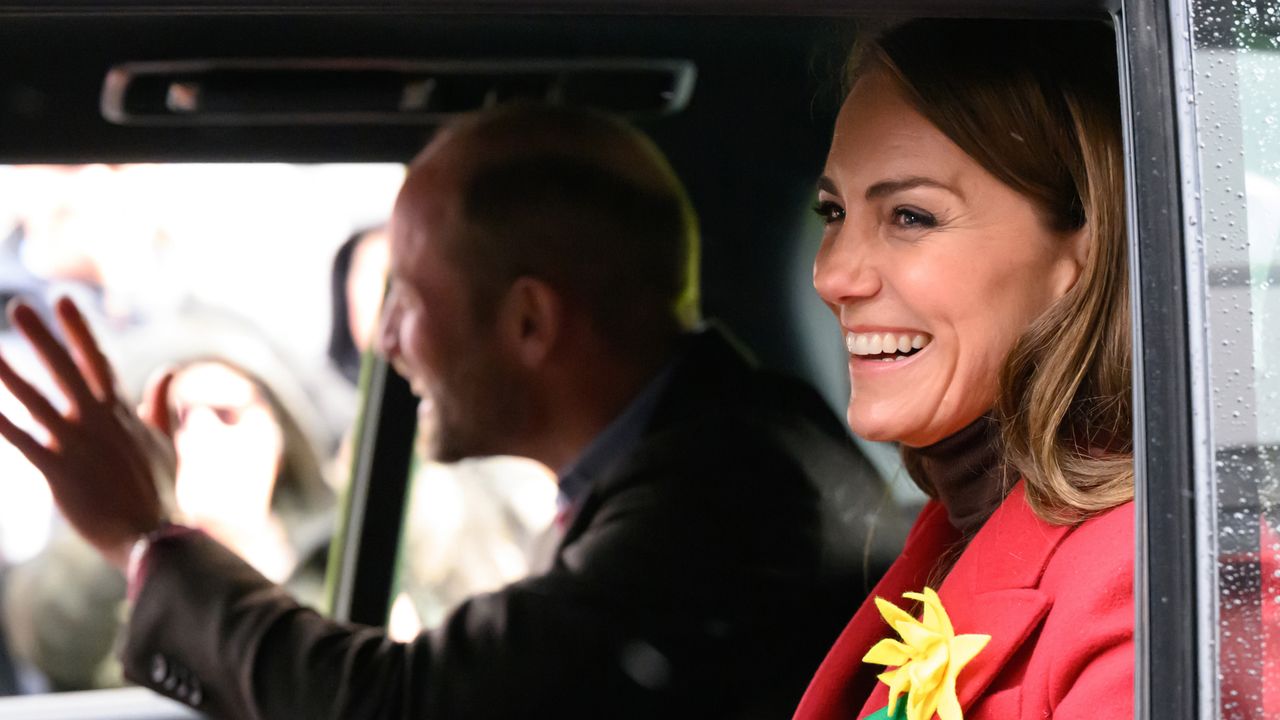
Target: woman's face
[932, 266]
[228, 445]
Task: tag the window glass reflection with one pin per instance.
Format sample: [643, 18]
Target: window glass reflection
[1237, 106]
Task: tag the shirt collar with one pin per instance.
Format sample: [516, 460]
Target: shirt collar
[615, 442]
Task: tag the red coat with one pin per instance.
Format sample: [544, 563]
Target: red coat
[1057, 602]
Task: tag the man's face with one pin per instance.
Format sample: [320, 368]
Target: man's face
[470, 389]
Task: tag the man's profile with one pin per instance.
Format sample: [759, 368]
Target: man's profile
[717, 521]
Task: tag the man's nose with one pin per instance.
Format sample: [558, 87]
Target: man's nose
[845, 269]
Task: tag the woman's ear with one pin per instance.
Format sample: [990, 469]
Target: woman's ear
[1076, 247]
[531, 321]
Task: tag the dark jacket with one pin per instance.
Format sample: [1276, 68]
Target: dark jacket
[704, 577]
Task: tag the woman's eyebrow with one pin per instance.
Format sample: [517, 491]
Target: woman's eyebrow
[888, 187]
[827, 185]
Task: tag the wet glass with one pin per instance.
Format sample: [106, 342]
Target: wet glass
[1236, 104]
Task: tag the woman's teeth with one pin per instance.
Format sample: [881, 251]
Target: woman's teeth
[892, 345]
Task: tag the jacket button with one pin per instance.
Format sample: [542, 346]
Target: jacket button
[197, 694]
[180, 687]
[159, 668]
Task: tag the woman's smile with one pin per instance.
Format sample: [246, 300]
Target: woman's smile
[884, 350]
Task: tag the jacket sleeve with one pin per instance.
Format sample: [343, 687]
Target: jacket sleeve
[631, 619]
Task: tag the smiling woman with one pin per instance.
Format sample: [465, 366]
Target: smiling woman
[923, 242]
[991, 239]
[974, 257]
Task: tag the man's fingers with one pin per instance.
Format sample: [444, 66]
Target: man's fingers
[36, 453]
[53, 354]
[40, 408]
[94, 366]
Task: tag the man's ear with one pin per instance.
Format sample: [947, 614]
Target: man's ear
[532, 320]
[1077, 246]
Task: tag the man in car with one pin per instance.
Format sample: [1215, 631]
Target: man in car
[717, 528]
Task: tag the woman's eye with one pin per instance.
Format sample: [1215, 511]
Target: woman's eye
[828, 211]
[909, 218]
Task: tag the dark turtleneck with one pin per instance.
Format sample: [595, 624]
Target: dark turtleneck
[963, 471]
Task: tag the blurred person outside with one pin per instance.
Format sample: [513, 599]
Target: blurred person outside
[139, 245]
[132, 244]
[718, 519]
[471, 526]
[246, 473]
[46, 252]
[357, 282]
[43, 254]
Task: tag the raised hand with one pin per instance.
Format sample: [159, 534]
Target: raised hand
[110, 472]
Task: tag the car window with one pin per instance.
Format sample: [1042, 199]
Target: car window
[1236, 59]
[221, 273]
[243, 238]
[470, 527]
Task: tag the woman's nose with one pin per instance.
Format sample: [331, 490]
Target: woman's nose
[845, 268]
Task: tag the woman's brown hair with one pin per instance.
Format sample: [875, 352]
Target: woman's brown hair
[1037, 105]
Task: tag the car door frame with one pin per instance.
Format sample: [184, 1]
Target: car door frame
[1170, 424]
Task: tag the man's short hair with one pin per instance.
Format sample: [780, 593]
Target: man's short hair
[588, 204]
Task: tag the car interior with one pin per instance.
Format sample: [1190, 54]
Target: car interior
[741, 96]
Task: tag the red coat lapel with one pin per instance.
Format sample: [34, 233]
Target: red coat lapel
[993, 590]
[833, 693]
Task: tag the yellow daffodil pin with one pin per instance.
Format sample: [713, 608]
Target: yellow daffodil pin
[927, 660]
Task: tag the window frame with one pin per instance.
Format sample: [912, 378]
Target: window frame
[1175, 670]
[366, 546]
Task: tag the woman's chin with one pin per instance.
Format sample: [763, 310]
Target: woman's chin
[875, 426]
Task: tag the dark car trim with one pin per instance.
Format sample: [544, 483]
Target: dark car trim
[370, 537]
[1167, 632]
[902, 8]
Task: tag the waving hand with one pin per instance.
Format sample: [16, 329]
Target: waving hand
[110, 472]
